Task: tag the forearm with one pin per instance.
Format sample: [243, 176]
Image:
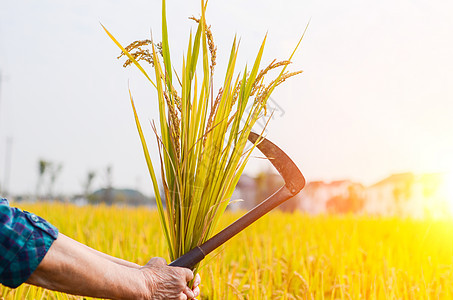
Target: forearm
[77, 269]
[111, 258]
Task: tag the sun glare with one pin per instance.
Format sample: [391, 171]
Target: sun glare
[448, 189]
[449, 185]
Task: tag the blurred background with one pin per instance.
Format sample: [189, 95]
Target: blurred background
[369, 119]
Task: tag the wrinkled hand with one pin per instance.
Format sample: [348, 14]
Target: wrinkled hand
[165, 282]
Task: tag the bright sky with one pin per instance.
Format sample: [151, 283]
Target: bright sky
[375, 97]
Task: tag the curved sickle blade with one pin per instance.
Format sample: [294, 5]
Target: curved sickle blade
[294, 182]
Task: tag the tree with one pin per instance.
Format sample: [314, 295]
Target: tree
[50, 170]
[54, 172]
[42, 168]
[88, 184]
[108, 195]
[352, 202]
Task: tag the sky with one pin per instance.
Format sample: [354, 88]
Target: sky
[375, 97]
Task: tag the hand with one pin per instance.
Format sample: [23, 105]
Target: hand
[165, 282]
[74, 268]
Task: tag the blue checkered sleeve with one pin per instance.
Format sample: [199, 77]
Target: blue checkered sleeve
[25, 239]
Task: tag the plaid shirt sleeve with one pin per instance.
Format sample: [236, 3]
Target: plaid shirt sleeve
[25, 239]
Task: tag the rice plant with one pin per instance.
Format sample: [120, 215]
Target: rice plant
[202, 131]
[282, 256]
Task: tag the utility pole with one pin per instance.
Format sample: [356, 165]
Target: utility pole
[1, 79]
[7, 170]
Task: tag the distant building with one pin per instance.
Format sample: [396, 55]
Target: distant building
[404, 194]
[319, 197]
[390, 196]
[407, 195]
[120, 196]
[245, 194]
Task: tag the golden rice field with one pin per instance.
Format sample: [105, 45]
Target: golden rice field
[282, 256]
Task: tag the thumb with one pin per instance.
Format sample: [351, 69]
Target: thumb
[157, 261]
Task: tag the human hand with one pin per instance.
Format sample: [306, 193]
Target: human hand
[165, 282]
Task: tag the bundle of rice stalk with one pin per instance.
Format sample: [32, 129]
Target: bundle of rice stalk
[202, 139]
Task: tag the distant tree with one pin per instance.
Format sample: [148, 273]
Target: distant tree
[88, 184]
[122, 197]
[54, 170]
[341, 204]
[42, 168]
[108, 195]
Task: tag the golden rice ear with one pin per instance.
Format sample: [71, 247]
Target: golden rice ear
[128, 55]
[138, 54]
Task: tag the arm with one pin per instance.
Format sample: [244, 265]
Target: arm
[108, 257]
[74, 268]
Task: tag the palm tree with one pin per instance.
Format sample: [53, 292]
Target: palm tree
[42, 168]
[87, 185]
[54, 172]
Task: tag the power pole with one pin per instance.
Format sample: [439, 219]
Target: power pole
[7, 170]
[1, 79]
[8, 144]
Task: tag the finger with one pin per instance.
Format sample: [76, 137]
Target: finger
[189, 293]
[188, 274]
[183, 297]
[157, 261]
[196, 291]
[197, 281]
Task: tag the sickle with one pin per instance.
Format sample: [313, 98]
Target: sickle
[294, 182]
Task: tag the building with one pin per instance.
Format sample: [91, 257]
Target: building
[404, 194]
[341, 196]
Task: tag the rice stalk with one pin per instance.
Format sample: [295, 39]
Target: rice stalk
[202, 140]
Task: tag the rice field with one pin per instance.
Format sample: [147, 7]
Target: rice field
[282, 256]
